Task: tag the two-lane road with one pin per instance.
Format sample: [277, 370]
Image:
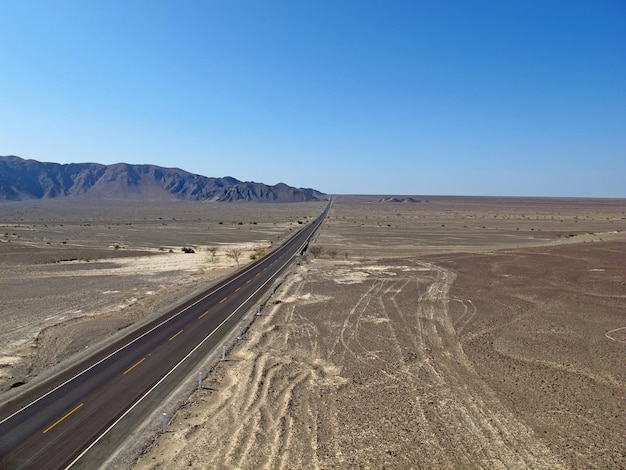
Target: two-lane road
[54, 424]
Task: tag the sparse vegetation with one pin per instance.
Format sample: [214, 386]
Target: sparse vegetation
[385, 281]
[316, 250]
[187, 249]
[234, 254]
[212, 250]
[257, 253]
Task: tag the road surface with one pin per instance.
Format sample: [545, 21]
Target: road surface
[74, 418]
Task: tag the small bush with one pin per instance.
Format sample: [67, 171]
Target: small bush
[187, 249]
[258, 252]
[316, 250]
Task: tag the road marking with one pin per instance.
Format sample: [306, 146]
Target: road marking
[134, 365]
[175, 335]
[64, 417]
[203, 314]
[257, 274]
[223, 299]
[143, 397]
[248, 281]
[237, 289]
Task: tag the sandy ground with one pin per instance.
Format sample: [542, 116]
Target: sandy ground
[105, 304]
[449, 333]
[504, 351]
[71, 275]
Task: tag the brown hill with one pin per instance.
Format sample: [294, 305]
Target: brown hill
[30, 179]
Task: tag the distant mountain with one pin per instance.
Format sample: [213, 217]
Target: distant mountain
[400, 199]
[29, 179]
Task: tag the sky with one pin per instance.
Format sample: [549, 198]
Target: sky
[422, 97]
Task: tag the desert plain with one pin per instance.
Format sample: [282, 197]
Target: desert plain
[423, 332]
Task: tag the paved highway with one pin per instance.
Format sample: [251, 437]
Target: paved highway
[56, 424]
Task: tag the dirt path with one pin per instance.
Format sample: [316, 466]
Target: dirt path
[375, 377]
[481, 425]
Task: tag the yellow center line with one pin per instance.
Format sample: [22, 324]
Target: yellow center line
[175, 335]
[134, 365]
[223, 299]
[237, 289]
[203, 314]
[64, 416]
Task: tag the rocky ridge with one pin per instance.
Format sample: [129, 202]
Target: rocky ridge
[22, 179]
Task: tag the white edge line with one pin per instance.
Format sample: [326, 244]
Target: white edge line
[144, 334]
[180, 362]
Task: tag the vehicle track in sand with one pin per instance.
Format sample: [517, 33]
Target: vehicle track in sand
[376, 377]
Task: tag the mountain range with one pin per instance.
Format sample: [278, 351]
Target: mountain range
[22, 179]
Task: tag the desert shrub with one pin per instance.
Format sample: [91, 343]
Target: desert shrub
[187, 249]
[212, 253]
[316, 250]
[234, 254]
[257, 253]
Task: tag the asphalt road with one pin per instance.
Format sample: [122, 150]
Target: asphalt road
[58, 423]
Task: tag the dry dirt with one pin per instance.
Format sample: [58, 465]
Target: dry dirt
[449, 333]
[73, 274]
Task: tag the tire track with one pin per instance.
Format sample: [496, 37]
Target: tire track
[376, 379]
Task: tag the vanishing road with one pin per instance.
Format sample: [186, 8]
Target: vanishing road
[75, 418]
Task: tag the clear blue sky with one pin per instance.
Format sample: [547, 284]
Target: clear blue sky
[502, 97]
